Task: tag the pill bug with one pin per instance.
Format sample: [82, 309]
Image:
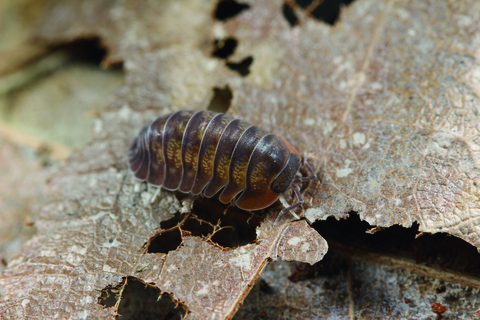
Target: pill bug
[209, 152]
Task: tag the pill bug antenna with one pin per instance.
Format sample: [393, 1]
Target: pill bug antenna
[311, 172]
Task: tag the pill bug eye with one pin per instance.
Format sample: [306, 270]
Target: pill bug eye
[284, 179]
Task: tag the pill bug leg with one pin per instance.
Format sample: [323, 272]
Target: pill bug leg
[293, 206]
[296, 190]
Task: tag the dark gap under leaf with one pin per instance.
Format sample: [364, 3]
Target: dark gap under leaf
[227, 9]
[180, 195]
[289, 15]
[139, 301]
[224, 48]
[243, 67]
[265, 287]
[331, 273]
[434, 250]
[332, 266]
[222, 97]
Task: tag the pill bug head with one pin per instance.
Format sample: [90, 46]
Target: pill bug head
[271, 174]
[284, 179]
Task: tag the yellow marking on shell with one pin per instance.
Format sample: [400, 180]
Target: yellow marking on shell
[226, 120]
[223, 166]
[191, 155]
[207, 162]
[157, 148]
[243, 126]
[260, 133]
[258, 178]
[174, 152]
[239, 171]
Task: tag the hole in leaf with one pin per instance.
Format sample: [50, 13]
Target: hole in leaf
[228, 226]
[140, 301]
[165, 242]
[239, 226]
[433, 250]
[304, 3]
[144, 302]
[227, 9]
[224, 48]
[84, 50]
[197, 228]
[172, 222]
[243, 67]
[88, 51]
[221, 100]
[108, 296]
[327, 11]
[289, 15]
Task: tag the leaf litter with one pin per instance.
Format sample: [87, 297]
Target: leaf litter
[384, 104]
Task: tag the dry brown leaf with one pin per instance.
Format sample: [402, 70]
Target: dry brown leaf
[385, 105]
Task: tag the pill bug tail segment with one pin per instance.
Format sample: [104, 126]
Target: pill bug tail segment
[139, 155]
[157, 158]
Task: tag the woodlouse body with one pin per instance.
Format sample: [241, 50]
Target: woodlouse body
[205, 151]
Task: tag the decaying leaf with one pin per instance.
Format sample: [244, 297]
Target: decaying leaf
[384, 104]
[301, 243]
